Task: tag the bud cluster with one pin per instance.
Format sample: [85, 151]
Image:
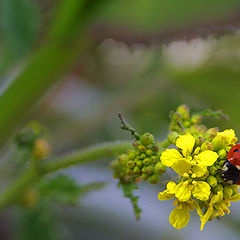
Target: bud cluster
[140, 163]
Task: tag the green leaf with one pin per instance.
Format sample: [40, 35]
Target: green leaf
[128, 189]
[65, 190]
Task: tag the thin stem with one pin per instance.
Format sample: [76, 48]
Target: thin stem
[32, 175]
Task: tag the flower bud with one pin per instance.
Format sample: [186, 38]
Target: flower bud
[123, 158]
[212, 170]
[142, 156]
[141, 148]
[131, 164]
[147, 139]
[184, 111]
[172, 137]
[136, 169]
[159, 168]
[146, 161]
[144, 176]
[227, 191]
[211, 133]
[207, 146]
[149, 152]
[199, 141]
[235, 189]
[218, 188]
[154, 159]
[149, 170]
[153, 179]
[196, 119]
[41, 149]
[212, 181]
[222, 154]
[139, 163]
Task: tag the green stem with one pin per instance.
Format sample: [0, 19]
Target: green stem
[32, 175]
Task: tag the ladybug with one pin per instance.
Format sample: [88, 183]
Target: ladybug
[231, 168]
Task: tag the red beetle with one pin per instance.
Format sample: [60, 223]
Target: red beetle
[231, 168]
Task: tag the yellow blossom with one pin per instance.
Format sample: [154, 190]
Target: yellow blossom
[223, 139]
[186, 143]
[169, 193]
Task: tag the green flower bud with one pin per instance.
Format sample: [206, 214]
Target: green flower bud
[149, 152]
[186, 124]
[196, 119]
[142, 156]
[227, 191]
[159, 168]
[184, 111]
[212, 170]
[129, 171]
[222, 154]
[136, 143]
[218, 188]
[144, 176]
[235, 189]
[199, 141]
[131, 155]
[123, 158]
[221, 163]
[131, 164]
[211, 133]
[212, 181]
[147, 139]
[136, 169]
[153, 159]
[146, 161]
[219, 179]
[144, 169]
[172, 137]
[153, 179]
[139, 163]
[228, 149]
[149, 170]
[141, 148]
[207, 146]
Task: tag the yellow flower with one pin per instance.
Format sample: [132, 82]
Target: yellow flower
[186, 143]
[224, 139]
[218, 206]
[179, 217]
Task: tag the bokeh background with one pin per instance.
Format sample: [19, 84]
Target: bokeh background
[146, 58]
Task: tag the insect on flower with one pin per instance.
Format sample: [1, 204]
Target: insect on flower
[231, 168]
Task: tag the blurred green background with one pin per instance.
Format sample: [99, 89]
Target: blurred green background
[145, 58]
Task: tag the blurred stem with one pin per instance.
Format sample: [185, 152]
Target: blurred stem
[33, 174]
[65, 42]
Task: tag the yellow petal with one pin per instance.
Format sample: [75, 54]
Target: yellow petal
[216, 198]
[183, 191]
[206, 217]
[207, 158]
[171, 186]
[186, 143]
[181, 166]
[179, 218]
[199, 170]
[170, 156]
[165, 195]
[201, 190]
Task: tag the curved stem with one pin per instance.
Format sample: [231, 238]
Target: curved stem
[32, 175]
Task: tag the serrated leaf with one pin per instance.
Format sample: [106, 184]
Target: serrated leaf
[128, 189]
[63, 189]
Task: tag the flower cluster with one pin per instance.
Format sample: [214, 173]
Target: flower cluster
[198, 158]
[196, 154]
[140, 163]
